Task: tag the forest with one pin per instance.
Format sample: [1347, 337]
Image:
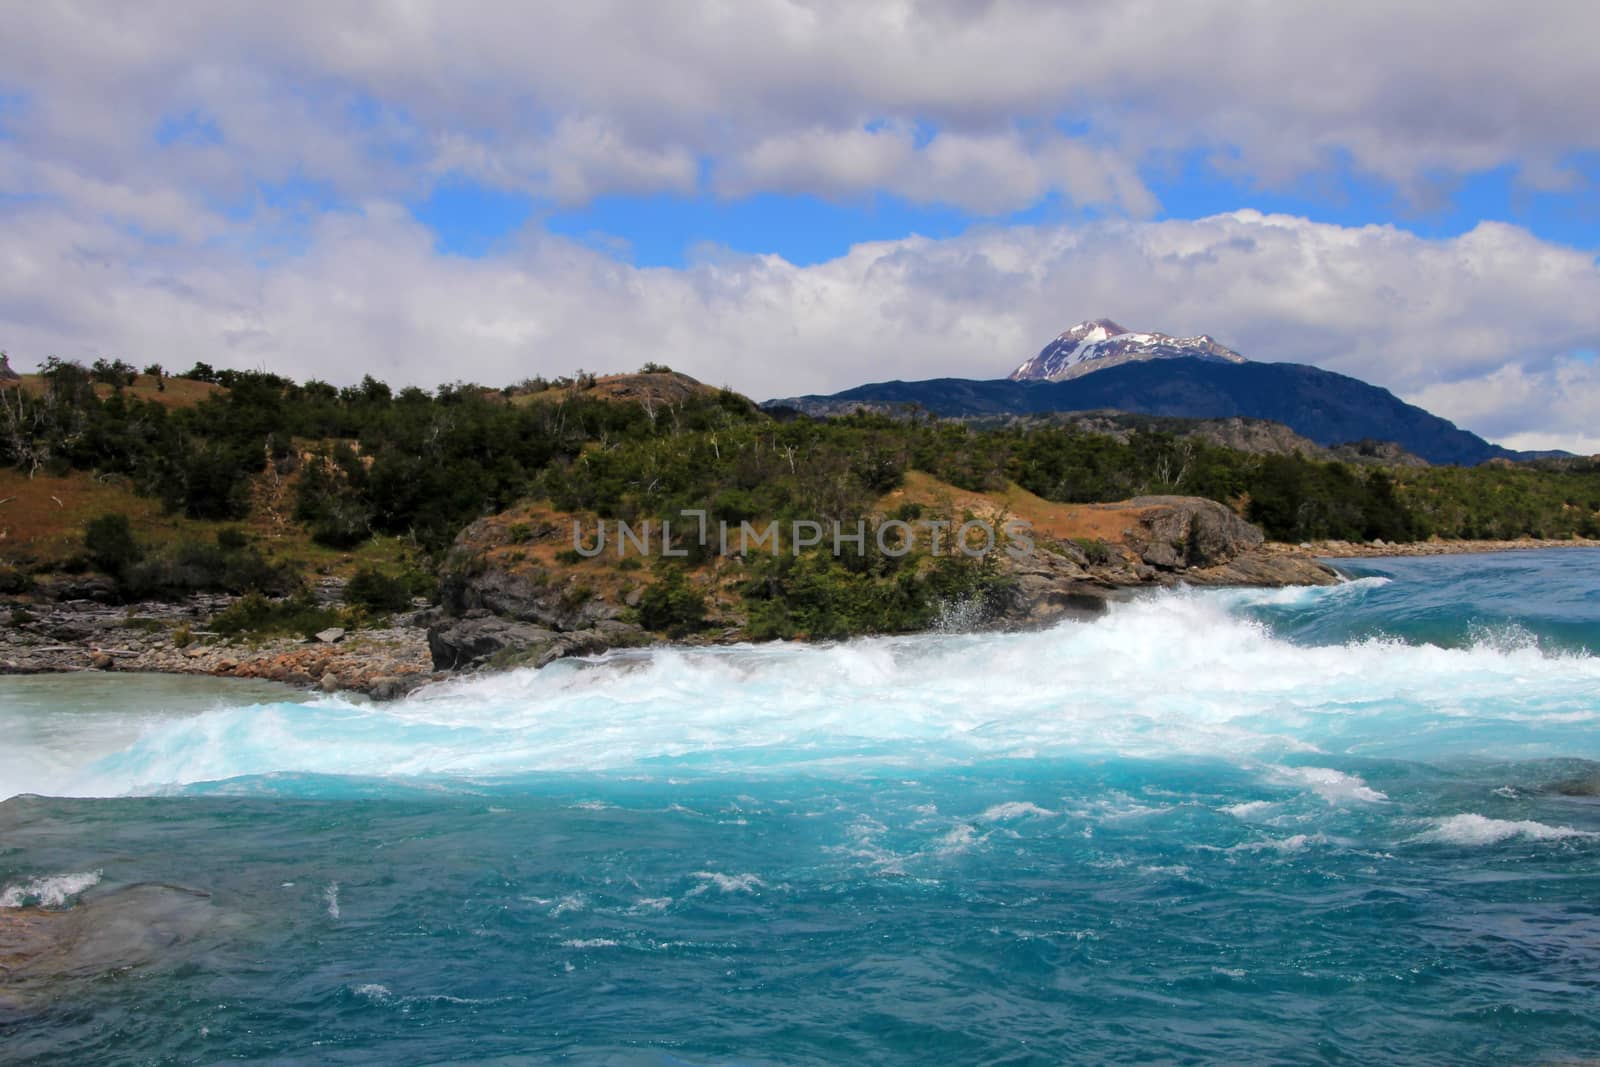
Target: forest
[420, 464]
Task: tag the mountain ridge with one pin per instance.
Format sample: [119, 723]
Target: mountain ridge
[1329, 408]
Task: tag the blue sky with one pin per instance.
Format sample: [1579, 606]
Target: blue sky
[470, 218]
[800, 195]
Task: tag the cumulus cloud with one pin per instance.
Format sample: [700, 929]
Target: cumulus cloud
[1487, 328]
[166, 171]
[987, 174]
[573, 100]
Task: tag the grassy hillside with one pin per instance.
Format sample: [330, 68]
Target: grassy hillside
[320, 480]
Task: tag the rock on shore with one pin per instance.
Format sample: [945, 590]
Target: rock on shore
[76, 633]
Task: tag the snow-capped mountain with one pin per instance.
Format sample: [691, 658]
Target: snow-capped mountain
[1101, 343]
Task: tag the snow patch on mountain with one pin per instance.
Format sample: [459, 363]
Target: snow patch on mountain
[1100, 343]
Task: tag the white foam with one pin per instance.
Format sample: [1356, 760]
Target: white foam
[1293, 843]
[330, 897]
[726, 883]
[1249, 809]
[1014, 809]
[50, 891]
[1471, 828]
[1172, 674]
[1335, 787]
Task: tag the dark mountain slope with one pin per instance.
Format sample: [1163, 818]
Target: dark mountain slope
[1329, 408]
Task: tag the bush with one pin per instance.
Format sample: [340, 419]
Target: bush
[193, 566]
[1095, 550]
[258, 616]
[672, 606]
[377, 592]
[113, 372]
[344, 524]
[111, 545]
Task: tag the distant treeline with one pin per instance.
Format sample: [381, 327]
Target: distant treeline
[367, 459]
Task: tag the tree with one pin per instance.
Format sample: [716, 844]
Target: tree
[113, 372]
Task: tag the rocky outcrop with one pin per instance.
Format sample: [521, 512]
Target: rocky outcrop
[501, 609]
[1177, 532]
[1158, 541]
[482, 639]
[524, 595]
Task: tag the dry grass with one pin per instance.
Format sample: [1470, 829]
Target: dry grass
[42, 520]
[660, 389]
[1099, 522]
[179, 393]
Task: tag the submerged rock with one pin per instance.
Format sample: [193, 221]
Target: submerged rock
[1587, 786]
[44, 949]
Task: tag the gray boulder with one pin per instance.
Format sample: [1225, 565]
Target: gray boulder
[481, 639]
[1191, 531]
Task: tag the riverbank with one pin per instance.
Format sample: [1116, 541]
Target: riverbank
[1434, 547]
[511, 602]
[80, 633]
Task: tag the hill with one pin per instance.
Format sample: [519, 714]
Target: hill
[1328, 408]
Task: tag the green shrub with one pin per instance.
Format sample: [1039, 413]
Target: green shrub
[256, 615]
[232, 539]
[111, 545]
[1095, 550]
[195, 566]
[672, 606]
[376, 591]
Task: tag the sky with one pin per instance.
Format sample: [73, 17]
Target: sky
[792, 196]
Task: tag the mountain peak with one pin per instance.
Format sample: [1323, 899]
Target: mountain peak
[1093, 330]
[1096, 344]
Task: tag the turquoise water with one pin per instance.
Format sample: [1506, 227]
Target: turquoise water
[1344, 825]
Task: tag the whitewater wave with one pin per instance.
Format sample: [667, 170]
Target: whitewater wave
[1474, 829]
[1174, 675]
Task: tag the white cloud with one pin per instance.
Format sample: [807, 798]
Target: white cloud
[1482, 328]
[117, 242]
[987, 174]
[577, 99]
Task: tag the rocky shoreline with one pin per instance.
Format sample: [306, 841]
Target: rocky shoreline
[497, 616]
[1435, 547]
[79, 626]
